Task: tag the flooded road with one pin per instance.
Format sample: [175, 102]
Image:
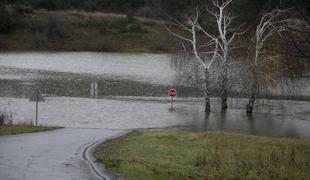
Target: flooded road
[132, 93]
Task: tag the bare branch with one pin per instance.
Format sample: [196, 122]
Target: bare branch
[215, 54]
[267, 76]
[180, 25]
[177, 35]
[193, 27]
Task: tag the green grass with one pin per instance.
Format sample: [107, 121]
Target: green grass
[20, 129]
[186, 155]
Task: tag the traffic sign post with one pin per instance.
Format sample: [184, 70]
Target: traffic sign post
[172, 93]
[36, 97]
[93, 88]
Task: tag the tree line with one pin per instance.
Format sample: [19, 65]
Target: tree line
[246, 9]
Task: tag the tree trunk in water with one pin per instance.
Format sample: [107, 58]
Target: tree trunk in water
[224, 88]
[207, 92]
[224, 98]
[250, 105]
[254, 89]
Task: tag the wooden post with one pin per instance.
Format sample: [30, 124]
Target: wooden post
[36, 113]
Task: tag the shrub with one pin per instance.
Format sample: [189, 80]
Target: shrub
[5, 119]
[159, 47]
[88, 5]
[47, 4]
[99, 24]
[40, 40]
[8, 20]
[2, 119]
[50, 27]
[102, 44]
[21, 10]
[133, 28]
[55, 28]
[128, 25]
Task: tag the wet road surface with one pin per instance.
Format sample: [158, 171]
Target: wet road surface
[53, 155]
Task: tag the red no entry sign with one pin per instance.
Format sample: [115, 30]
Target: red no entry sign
[172, 93]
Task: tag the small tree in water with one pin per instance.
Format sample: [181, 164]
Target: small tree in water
[221, 43]
[270, 24]
[193, 28]
[227, 32]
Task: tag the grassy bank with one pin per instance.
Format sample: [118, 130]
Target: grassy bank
[42, 30]
[21, 129]
[186, 155]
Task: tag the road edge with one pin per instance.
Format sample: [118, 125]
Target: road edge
[96, 167]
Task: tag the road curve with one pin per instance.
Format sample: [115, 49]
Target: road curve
[63, 154]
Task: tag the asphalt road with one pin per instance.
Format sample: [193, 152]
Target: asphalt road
[63, 154]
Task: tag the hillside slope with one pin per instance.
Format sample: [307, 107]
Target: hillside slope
[41, 30]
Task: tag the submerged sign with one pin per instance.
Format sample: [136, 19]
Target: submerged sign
[172, 93]
[36, 97]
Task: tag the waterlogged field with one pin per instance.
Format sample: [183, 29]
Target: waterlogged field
[132, 93]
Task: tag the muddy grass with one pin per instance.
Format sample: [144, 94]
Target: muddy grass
[186, 155]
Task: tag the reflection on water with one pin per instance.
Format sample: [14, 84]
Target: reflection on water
[277, 118]
[131, 92]
[154, 113]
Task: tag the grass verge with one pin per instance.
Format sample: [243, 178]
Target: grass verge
[187, 155]
[20, 129]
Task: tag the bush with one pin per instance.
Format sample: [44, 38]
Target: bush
[134, 28]
[40, 40]
[5, 119]
[2, 119]
[21, 10]
[128, 25]
[8, 20]
[55, 28]
[102, 44]
[159, 47]
[50, 27]
[88, 5]
[99, 24]
[48, 4]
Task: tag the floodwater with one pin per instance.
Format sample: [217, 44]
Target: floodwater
[131, 93]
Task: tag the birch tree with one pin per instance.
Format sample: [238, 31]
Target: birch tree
[193, 29]
[227, 32]
[270, 24]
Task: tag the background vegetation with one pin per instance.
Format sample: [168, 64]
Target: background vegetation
[160, 8]
[80, 31]
[56, 25]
